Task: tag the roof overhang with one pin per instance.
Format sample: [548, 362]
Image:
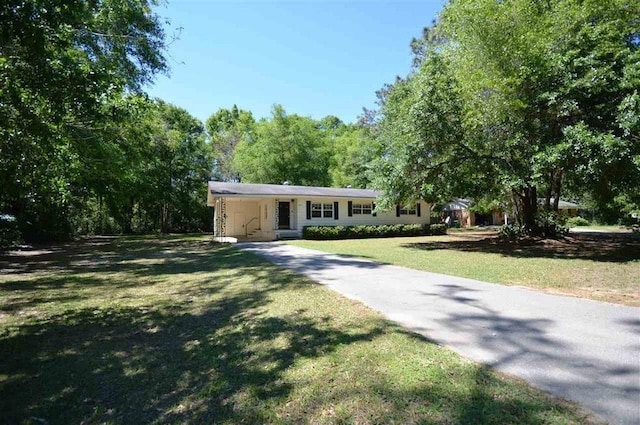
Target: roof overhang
[272, 191]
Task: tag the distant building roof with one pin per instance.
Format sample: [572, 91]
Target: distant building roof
[458, 204]
[274, 190]
[563, 205]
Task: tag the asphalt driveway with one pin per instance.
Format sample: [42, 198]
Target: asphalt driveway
[579, 349]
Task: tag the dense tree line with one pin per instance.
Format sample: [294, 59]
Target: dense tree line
[516, 101]
[82, 150]
[507, 102]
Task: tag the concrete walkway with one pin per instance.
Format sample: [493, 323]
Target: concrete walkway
[579, 349]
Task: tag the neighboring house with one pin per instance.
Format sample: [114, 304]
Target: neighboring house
[564, 207]
[269, 211]
[459, 209]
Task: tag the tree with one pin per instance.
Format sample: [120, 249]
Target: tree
[537, 95]
[63, 67]
[422, 136]
[226, 128]
[353, 153]
[286, 148]
[181, 166]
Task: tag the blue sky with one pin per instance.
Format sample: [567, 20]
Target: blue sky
[315, 58]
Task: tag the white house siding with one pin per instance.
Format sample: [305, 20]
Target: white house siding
[258, 217]
[382, 217]
[241, 214]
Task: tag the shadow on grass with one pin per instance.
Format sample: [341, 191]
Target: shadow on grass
[221, 360]
[173, 363]
[146, 257]
[609, 248]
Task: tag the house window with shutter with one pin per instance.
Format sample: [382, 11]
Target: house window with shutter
[316, 210]
[321, 210]
[408, 211]
[327, 210]
[362, 209]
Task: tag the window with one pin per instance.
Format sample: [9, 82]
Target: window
[361, 208]
[327, 210]
[316, 210]
[321, 210]
[408, 211]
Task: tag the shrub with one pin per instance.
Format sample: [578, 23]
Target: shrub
[371, 231]
[551, 224]
[577, 221]
[546, 228]
[511, 232]
[10, 235]
[437, 229]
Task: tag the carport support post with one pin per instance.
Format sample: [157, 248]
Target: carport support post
[219, 217]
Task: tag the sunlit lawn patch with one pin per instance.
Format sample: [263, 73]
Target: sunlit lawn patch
[181, 330]
[602, 268]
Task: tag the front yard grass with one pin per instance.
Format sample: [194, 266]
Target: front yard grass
[182, 330]
[605, 228]
[603, 268]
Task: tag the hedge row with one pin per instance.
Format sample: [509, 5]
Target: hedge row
[370, 231]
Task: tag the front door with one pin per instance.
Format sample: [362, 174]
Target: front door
[284, 215]
[238, 224]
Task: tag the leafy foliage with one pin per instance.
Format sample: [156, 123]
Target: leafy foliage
[64, 67]
[286, 148]
[161, 164]
[9, 233]
[353, 155]
[577, 222]
[226, 129]
[518, 98]
[511, 232]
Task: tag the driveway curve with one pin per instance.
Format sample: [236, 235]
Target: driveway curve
[582, 350]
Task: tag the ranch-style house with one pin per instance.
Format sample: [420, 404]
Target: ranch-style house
[270, 212]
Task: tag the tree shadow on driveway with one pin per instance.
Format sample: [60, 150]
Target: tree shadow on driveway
[533, 347]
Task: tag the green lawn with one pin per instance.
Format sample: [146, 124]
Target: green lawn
[605, 228]
[596, 267]
[182, 330]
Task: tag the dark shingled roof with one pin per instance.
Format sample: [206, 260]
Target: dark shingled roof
[268, 190]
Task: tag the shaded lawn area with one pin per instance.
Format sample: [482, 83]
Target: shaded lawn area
[184, 330]
[599, 267]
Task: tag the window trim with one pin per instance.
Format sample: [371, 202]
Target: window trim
[316, 210]
[322, 210]
[362, 208]
[327, 210]
[408, 211]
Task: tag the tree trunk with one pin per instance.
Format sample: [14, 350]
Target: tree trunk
[547, 199]
[557, 185]
[517, 210]
[100, 216]
[164, 218]
[527, 204]
[127, 217]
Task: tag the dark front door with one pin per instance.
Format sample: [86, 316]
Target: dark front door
[284, 216]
